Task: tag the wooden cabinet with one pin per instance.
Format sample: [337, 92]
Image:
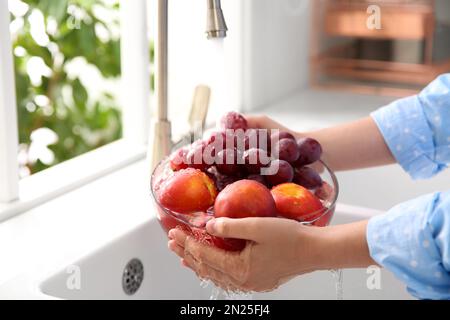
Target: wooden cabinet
[396, 23]
[340, 38]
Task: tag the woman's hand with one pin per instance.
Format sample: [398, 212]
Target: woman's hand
[277, 250]
[264, 122]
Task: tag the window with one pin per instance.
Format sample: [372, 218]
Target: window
[74, 77]
[67, 69]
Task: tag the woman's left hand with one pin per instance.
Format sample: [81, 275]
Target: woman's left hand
[277, 250]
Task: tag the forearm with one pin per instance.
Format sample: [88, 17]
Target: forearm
[353, 145]
[348, 146]
[343, 246]
[334, 247]
[347, 246]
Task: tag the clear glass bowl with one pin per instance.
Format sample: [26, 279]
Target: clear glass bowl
[195, 223]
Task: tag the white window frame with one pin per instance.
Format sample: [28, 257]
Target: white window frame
[17, 196]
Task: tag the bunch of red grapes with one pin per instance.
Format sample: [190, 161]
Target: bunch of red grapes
[234, 152]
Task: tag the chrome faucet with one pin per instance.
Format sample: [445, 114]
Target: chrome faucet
[215, 21]
[160, 142]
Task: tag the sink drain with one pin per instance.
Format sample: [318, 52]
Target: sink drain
[132, 277]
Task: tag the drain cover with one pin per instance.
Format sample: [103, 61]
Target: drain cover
[132, 277]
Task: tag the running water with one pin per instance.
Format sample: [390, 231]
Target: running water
[214, 68]
[218, 293]
[338, 276]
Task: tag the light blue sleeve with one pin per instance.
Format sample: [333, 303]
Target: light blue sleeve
[413, 239]
[417, 129]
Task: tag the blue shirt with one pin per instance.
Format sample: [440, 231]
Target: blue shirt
[413, 239]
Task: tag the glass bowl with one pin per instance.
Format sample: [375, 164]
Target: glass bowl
[195, 223]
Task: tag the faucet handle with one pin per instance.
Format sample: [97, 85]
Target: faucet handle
[199, 108]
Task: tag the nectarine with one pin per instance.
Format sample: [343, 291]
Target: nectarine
[296, 202]
[186, 191]
[245, 198]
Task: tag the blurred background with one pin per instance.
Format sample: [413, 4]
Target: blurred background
[390, 47]
[67, 62]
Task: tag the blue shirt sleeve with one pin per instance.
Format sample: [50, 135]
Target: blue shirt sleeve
[413, 239]
[417, 129]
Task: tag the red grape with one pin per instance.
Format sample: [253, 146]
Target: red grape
[233, 120]
[214, 143]
[279, 135]
[238, 137]
[307, 177]
[310, 151]
[198, 143]
[218, 138]
[287, 150]
[257, 138]
[234, 139]
[178, 159]
[194, 157]
[255, 159]
[324, 192]
[220, 180]
[227, 161]
[283, 172]
[258, 178]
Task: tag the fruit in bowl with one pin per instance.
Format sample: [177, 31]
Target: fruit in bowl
[233, 121]
[233, 201]
[214, 179]
[295, 202]
[186, 191]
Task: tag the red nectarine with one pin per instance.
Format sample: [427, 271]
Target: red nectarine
[296, 202]
[187, 191]
[245, 198]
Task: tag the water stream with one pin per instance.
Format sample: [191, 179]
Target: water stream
[338, 277]
[220, 294]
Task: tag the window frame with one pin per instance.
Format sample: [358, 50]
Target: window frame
[17, 196]
[9, 137]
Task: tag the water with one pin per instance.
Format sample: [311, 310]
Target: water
[218, 293]
[338, 276]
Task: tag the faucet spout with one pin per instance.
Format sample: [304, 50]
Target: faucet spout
[216, 26]
[160, 141]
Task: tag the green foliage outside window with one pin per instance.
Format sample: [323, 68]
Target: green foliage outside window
[60, 102]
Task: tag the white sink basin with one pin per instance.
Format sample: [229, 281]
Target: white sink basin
[164, 278]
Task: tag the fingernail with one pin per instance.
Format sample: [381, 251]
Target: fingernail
[211, 226]
[171, 234]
